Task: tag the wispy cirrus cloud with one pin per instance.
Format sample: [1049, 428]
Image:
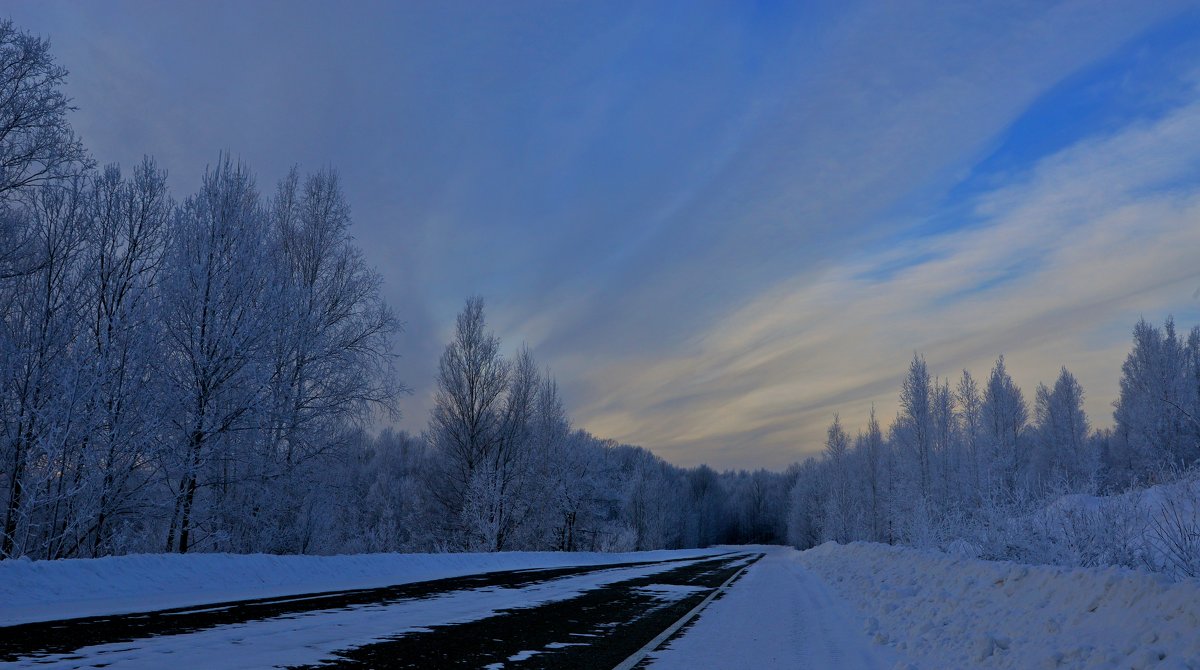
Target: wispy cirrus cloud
[1055, 270]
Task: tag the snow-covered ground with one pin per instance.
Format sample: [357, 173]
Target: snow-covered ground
[778, 615]
[942, 611]
[46, 590]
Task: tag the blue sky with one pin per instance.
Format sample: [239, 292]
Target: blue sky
[718, 224]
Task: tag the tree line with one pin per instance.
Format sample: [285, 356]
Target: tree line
[506, 470]
[971, 466]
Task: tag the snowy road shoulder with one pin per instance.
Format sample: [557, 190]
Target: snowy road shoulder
[777, 615]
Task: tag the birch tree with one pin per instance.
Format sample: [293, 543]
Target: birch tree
[126, 248]
[216, 313]
[465, 428]
[41, 408]
[914, 426]
[840, 506]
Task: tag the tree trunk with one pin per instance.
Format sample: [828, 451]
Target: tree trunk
[16, 494]
[189, 492]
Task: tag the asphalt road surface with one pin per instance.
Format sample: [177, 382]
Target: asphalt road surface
[581, 617]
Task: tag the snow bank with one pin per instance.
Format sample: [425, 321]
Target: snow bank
[47, 590]
[956, 612]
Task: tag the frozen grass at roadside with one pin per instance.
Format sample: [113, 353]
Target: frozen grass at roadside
[945, 611]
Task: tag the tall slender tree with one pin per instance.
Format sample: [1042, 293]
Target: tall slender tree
[467, 423]
[1005, 416]
[1062, 429]
[129, 238]
[915, 426]
[217, 303]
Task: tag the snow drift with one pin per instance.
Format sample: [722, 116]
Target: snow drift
[945, 611]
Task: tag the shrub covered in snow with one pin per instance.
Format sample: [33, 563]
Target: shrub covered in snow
[1155, 529]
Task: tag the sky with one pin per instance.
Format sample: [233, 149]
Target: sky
[717, 224]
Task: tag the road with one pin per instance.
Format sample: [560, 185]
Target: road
[771, 615]
[563, 617]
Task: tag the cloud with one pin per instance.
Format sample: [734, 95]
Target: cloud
[1057, 269]
[875, 112]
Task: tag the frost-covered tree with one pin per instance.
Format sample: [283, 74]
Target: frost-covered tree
[652, 493]
[128, 240]
[499, 498]
[870, 446]
[327, 361]
[371, 499]
[467, 423]
[218, 301]
[331, 363]
[1063, 452]
[562, 480]
[805, 501]
[709, 506]
[37, 145]
[914, 426]
[42, 385]
[1157, 408]
[1005, 416]
[946, 445]
[42, 238]
[840, 505]
[970, 411]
